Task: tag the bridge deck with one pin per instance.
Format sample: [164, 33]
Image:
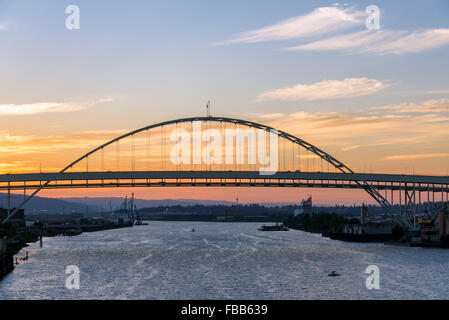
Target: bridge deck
[223, 178]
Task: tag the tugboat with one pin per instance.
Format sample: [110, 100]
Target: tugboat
[276, 227]
[333, 274]
[138, 216]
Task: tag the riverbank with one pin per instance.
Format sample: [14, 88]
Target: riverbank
[6, 264]
[6, 259]
[318, 223]
[8, 249]
[13, 240]
[331, 225]
[358, 237]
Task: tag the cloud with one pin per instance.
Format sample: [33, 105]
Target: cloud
[438, 91]
[307, 156]
[375, 144]
[26, 153]
[46, 107]
[17, 167]
[380, 42]
[415, 156]
[429, 106]
[326, 89]
[357, 138]
[375, 128]
[271, 116]
[361, 139]
[349, 42]
[19, 145]
[319, 21]
[414, 42]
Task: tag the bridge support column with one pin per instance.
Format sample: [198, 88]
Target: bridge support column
[447, 195]
[400, 199]
[442, 196]
[414, 205]
[410, 204]
[392, 194]
[9, 198]
[419, 199]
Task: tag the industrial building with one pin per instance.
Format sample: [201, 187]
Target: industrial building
[17, 220]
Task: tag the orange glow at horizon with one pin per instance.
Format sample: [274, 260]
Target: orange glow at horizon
[244, 194]
[383, 144]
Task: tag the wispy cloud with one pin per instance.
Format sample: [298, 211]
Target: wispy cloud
[324, 90]
[17, 167]
[370, 131]
[46, 107]
[438, 91]
[319, 21]
[414, 42]
[20, 145]
[376, 144]
[357, 138]
[357, 41]
[271, 116]
[380, 42]
[26, 153]
[415, 156]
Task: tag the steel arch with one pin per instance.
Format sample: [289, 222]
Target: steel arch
[282, 134]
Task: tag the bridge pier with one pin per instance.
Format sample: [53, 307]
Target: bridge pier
[9, 198]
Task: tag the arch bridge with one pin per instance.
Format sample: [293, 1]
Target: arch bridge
[221, 152]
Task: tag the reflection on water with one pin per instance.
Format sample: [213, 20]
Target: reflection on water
[165, 260]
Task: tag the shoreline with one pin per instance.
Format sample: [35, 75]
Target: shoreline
[33, 235]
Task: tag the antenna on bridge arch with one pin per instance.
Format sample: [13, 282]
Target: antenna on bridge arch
[208, 108]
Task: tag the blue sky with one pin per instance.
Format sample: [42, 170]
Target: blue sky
[147, 51]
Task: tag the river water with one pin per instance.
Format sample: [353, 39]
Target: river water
[166, 260]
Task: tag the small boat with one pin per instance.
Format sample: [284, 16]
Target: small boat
[276, 227]
[333, 274]
[193, 230]
[140, 223]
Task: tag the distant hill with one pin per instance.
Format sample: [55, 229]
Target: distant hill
[107, 202]
[96, 205]
[78, 204]
[114, 202]
[48, 205]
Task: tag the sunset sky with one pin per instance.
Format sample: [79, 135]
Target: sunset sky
[378, 100]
